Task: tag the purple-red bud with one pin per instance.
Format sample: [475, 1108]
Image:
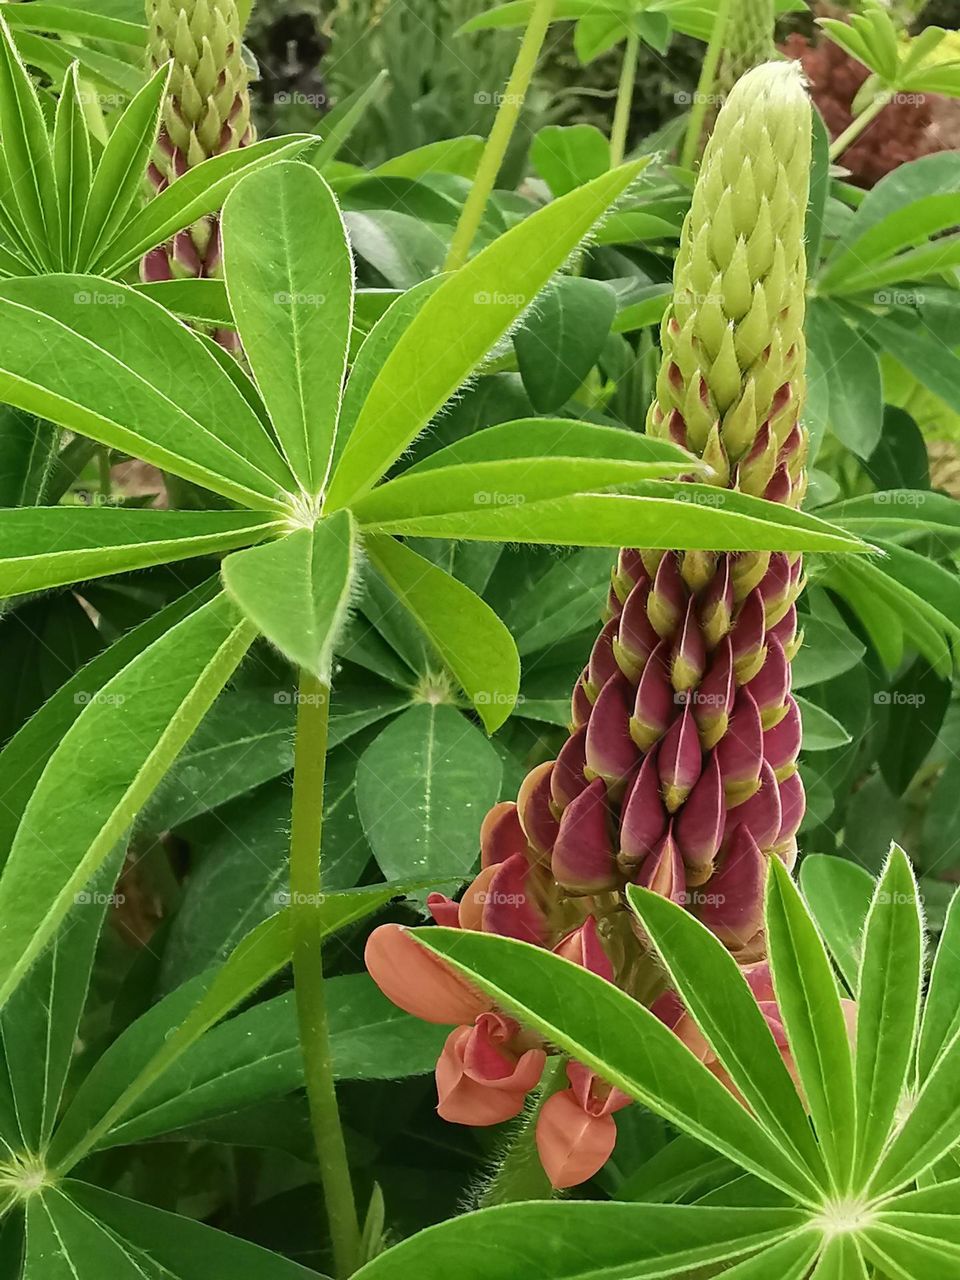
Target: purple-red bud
[636, 638]
[584, 859]
[747, 638]
[501, 834]
[733, 909]
[679, 760]
[689, 656]
[610, 752]
[568, 778]
[740, 751]
[536, 815]
[781, 744]
[580, 704]
[770, 686]
[511, 908]
[793, 803]
[761, 814]
[713, 701]
[716, 605]
[654, 705]
[698, 828]
[583, 947]
[643, 819]
[667, 602]
[602, 664]
[662, 872]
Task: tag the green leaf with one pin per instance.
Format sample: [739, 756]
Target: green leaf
[159, 376]
[821, 730]
[819, 190]
[657, 514]
[202, 299]
[73, 166]
[26, 153]
[423, 788]
[69, 21]
[839, 894]
[650, 309]
[292, 297]
[118, 183]
[567, 156]
[94, 542]
[28, 451]
[813, 1020]
[620, 1039]
[560, 342]
[79, 1232]
[924, 355]
[852, 372]
[517, 13]
[466, 633]
[256, 1055]
[896, 513]
[941, 1015]
[297, 589]
[712, 986]
[77, 815]
[196, 193]
[888, 1006]
[24, 757]
[582, 1241]
[909, 1256]
[459, 324]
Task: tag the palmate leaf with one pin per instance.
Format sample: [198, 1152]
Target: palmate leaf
[72, 164]
[27, 156]
[76, 816]
[458, 325]
[289, 279]
[941, 1015]
[839, 893]
[79, 1232]
[137, 386]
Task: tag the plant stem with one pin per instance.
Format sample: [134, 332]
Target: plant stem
[310, 763]
[508, 113]
[521, 1175]
[103, 467]
[857, 126]
[705, 85]
[621, 115]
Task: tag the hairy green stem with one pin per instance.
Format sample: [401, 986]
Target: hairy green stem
[508, 113]
[621, 115]
[521, 1175]
[857, 126]
[310, 763]
[705, 85]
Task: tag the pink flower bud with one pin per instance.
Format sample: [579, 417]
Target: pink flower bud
[501, 834]
[793, 803]
[481, 1078]
[770, 686]
[533, 804]
[636, 638]
[689, 656]
[775, 589]
[741, 751]
[643, 818]
[580, 704]
[713, 701]
[568, 778]
[781, 744]
[780, 486]
[679, 760]
[747, 638]
[662, 872]
[698, 828]
[733, 907]
[510, 906]
[474, 900]
[584, 858]
[667, 602]
[602, 664]
[654, 705]
[786, 632]
[761, 814]
[610, 751]
[716, 605]
[583, 947]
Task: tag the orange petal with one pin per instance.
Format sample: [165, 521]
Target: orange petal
[418, 981]
[572, 1145]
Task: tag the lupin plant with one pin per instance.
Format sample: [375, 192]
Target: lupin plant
[206, 113]
[680, 771]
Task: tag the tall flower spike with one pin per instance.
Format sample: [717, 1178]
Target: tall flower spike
[680, 770]
[206, 113]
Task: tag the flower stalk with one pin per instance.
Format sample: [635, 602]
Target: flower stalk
[498, 143]
[306, 884]
[621, 115]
